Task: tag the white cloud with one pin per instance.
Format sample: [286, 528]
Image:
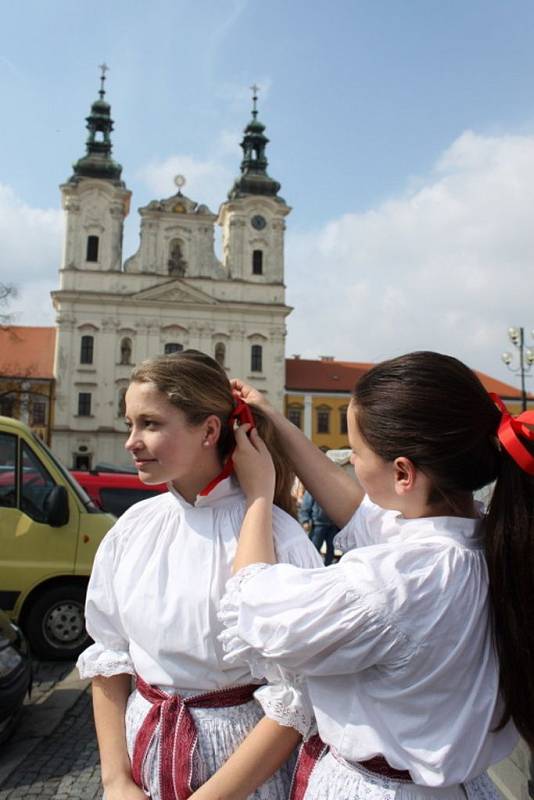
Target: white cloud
[207, 181]
[447, 266]
[30, 251]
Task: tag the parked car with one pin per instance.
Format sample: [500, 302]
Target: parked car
[15, 674]
[49, 533]
[115, 491]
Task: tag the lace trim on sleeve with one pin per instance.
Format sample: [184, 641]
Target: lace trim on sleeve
[97, 660]
[288, 704]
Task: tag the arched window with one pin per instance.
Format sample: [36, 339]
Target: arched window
[323, 419]
[177, 265]
[294, 415]
[126, 350]
[256, 358]
[92, 248]
[121, 405]
[86, 350]
[257, 262]
[220, 353]
[172, 347]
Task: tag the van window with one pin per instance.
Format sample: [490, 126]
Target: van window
[35, 485]
[8, 458]
[116, 500]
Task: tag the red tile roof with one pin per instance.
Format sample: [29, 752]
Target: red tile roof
[307, 375]
[27, 351]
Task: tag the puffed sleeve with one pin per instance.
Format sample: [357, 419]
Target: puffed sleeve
[368, 525]
[285, 697]
[312, 622]
[109, 655]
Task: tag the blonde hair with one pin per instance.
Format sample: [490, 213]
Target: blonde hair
[198, 386]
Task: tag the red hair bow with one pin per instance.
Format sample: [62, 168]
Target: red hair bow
[510, 432]
[240, 413]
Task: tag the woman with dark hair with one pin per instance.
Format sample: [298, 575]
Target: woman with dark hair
[417, 648]
[154, 594]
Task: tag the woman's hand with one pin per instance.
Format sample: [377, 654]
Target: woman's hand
[123, 788]
[253, 464]
[250, 394]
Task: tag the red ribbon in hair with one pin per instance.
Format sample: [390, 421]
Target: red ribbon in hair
[511, 430]
[241, 413]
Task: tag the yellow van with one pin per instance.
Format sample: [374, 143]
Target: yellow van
[49, 533]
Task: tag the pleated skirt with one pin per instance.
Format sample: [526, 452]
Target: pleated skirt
[334, 779]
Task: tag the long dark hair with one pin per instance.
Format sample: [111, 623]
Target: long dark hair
[197, 385]
[433, 409]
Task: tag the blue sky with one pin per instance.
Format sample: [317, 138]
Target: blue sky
[402, 133]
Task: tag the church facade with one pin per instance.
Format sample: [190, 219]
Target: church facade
[172, 294]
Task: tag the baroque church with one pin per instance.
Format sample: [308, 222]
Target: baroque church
[173, 293]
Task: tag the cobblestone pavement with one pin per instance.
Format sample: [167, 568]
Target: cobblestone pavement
[64, 765]
[53, 752]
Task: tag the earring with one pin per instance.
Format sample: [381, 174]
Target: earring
[206, 443]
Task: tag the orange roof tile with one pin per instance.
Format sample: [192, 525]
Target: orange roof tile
[308, 375]
[27, 351]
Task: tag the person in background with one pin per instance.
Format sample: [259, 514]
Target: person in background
[318, 525]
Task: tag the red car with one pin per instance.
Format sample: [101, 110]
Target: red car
[115, 491]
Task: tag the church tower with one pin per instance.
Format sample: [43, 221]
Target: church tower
[253, 216]
[95, 198]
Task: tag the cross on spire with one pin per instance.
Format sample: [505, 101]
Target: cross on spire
[103, 68]
[255, 89]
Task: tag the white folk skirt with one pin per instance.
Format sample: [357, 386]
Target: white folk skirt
[334, 779]
[220, 732]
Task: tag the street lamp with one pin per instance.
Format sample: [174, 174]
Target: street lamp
[524, 362]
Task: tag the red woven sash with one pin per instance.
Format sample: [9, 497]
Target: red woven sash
[178, 734]
[310, 753]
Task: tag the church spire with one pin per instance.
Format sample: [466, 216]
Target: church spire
[97, 162]
[254, 178]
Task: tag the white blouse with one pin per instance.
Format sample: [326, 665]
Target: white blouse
[156, 585]
[394, 642]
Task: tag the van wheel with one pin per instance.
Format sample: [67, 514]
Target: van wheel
[55, 623]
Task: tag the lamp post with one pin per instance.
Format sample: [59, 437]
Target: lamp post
[524, 362]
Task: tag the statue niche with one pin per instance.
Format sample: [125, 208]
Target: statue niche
[177, 264]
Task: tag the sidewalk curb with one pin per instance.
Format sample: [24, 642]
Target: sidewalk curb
[45, 716]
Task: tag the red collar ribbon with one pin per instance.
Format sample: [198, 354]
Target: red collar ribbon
[241, 413]
[510, 432]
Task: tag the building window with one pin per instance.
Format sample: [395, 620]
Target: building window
[82, 461]
[126, 351]
[256, 358]
[220, 353]
[84, 404]
[343, 420]
[121, 405]
[323, 420]
[38, 416]
[7, 405]
[86, 350]
[92, 248]
[257, 262]
[172, 347]
[294, 415]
